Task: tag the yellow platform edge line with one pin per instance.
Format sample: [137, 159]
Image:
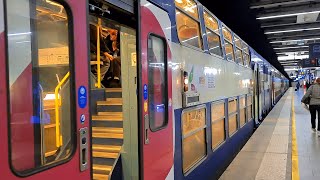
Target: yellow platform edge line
[295, 157]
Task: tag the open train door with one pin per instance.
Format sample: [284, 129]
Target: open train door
[44, 125]
[155, 90]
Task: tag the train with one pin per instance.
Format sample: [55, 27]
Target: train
[187, 91]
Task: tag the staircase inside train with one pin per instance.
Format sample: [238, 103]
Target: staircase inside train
[113, 103]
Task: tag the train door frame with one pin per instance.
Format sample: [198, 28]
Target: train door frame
[256, 93]
[270, 90]
[78, 163]
[127, 164]
[156, 153]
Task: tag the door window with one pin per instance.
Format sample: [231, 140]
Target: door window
[157, 80]
[40, 84]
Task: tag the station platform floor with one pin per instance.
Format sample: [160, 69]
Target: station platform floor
[282, 148]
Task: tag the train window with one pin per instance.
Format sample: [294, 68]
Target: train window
[214, 43]
[41, 81]
[233, 115]
[213, 34]
[232, 124]
[246, 48]
[239, 57]
[249, 107]
[218, 123]
[194, 137]
[237, 42]
[246, 56]
[232, 106]
[157, 78]
[229, 51]
[228, 43]
[189, 7]
[246, 59]
[211, 22]
[188, 25]
[242, 103]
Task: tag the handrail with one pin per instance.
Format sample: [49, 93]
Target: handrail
[57, 104]
[98, 85]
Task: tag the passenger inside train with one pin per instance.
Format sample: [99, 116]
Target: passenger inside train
[110, 66]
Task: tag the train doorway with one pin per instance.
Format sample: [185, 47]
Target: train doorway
[114, 103]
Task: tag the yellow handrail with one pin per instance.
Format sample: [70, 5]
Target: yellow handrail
[57, 103]
[98, 85]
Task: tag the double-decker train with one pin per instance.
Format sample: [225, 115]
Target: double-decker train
[126, 89]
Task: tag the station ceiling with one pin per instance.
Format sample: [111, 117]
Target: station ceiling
[279, 30]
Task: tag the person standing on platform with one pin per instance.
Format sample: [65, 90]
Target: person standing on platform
[308, 85]
[314, 93]
[298, 86]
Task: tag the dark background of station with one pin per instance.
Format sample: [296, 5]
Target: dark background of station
[237, 15]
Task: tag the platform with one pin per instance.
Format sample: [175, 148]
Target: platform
[271, 152]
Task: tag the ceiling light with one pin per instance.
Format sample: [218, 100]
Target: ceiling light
[287, 15]
[296, 52]
[293, 57]
[295, 47]
[293, 69]
[295, 40]
[292, 30]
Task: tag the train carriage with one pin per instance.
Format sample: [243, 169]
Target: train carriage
[185, 94]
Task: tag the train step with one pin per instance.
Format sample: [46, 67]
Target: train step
[105, 148]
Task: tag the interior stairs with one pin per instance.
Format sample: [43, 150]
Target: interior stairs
[107, 133]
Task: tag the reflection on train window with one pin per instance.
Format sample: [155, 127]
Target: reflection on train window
[239, 56]
[242, 104]
[228, 43]
[237, 42]
[188, 30]
[246, 59]
[227, 34]
[232, 106]
[188, 23]
[213, 35]
[246, 56]
[189, 7]
[229, 51]
[214, 43]
[211, 22]
[246, 49]
[233, 115]
[218, 123]
[232, 124]
[40, 84]
[157, 78]
[194, 137]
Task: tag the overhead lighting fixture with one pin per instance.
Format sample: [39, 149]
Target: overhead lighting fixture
[296, 52]
[292, 30]
[290, 57]
[287, 15]
[295, 47]
[292, 69]
[295, 40]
